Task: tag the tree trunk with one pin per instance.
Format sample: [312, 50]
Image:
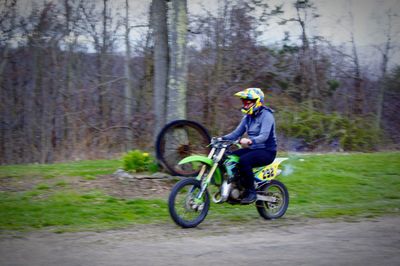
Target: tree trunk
[68, 134]
[160, 32]
[177, 81]
[128, 90]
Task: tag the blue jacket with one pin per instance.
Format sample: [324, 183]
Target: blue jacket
[260, 128]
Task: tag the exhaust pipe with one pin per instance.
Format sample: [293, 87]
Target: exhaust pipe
[223, 194]
[216, 197]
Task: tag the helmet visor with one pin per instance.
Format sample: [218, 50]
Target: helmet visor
[247, 103]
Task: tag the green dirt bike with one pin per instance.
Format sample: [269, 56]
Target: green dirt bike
[189, 200]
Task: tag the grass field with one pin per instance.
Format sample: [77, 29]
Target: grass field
[87, 169]
[320, 186]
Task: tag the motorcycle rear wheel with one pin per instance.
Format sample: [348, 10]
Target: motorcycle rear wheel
[273, 210]
[185, 210]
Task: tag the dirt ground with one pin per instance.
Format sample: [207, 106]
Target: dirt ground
[281, 242]
[141, 185]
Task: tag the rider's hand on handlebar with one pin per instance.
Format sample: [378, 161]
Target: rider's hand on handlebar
[245, 141]
[215, 140]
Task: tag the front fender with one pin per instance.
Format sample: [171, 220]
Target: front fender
[203, 160]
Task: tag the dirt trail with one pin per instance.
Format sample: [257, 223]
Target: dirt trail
[282, 242]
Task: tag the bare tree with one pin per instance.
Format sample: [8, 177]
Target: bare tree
[7, 29]
[67, 93]
[387, 51]
[130, 100]
[358, 90]
[307, 73]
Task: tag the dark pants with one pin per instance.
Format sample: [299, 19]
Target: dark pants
[250, 158]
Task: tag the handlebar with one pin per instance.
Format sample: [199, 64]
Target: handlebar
[222, 143]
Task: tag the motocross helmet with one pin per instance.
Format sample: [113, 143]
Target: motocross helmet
[252, 99]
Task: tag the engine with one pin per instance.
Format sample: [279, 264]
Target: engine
[227, 190]
[235, 193]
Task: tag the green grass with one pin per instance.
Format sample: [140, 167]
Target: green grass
[333, 185]
[69, 210]
[87, 169]
[320, 186]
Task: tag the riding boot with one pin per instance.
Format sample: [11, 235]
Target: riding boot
[250, 196]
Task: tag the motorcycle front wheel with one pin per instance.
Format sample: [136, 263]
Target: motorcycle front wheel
[279, 203]
[185, 208]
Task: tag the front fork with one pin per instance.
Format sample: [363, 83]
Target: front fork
[206, 181]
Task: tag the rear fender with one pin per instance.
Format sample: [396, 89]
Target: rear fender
[205, 161]
[270, 171]
[275, 164]
[278, 161]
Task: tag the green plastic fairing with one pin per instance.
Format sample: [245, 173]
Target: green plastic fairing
[204, 160]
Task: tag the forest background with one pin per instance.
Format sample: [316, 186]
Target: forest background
[85, 79]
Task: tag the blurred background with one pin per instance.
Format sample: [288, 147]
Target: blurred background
[86, 79]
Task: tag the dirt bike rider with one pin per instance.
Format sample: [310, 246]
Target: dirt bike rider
[260, 144]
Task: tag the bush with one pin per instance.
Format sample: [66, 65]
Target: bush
[138, 161]
[314, 129]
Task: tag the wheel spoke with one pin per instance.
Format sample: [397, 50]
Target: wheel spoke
[180, 139]
[278, 204]
[182, 203]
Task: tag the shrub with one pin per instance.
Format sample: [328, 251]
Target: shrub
[138, 161]
[318, 129]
